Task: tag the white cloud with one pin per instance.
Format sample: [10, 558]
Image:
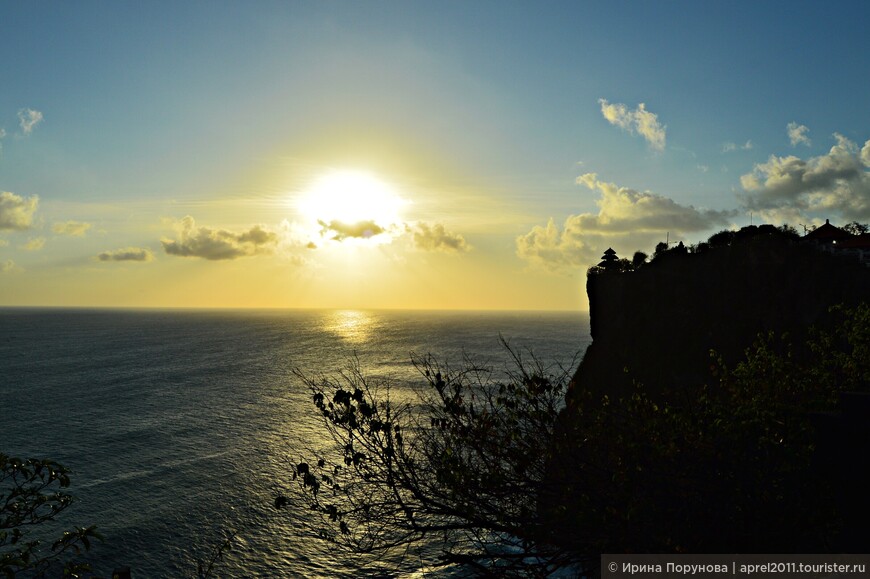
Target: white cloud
[71, 228]
[797, 134]
[639, 121]
[136, 254]
[835, 183]
[28, 119]
[16, 212]
[731, 147]
[436, 238]
[626, 218]
[865, 153]
[34, 244]
[219, 244]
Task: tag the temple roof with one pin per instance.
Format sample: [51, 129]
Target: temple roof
[827, 233]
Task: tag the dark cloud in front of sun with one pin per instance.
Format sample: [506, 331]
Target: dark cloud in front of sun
[339, 230]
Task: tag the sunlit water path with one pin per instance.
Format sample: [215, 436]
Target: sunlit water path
[180, 425]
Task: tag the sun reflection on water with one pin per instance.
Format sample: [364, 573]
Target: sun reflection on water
[354, 326]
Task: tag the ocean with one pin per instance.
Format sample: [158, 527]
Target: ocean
[181, 425]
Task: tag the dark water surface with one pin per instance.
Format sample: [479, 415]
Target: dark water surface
[180, 425]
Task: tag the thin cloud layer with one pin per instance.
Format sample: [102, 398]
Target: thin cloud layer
[7, 266]
[71, 228]
[640, 121]
[28, 119]
[731, 147]
[626, 217]
[16, 212]
[34, 244]
[436, 238]
[835, 183]
[219, 244]
[797, 134]
[137, 254]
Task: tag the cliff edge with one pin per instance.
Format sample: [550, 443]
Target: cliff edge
[657, 325]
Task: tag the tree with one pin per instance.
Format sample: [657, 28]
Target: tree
[31, 494]
[856, 228]
[724, 237]
[505, 480]
[638, 259]
[461, 466]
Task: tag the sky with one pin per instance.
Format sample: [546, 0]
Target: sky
[411, 155]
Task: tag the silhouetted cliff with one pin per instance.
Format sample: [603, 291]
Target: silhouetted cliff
[657, 325]
[738, 462]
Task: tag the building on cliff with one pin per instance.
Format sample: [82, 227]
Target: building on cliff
[841, 242]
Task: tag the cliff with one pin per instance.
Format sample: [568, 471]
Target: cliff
[657, 325]
[741, 465]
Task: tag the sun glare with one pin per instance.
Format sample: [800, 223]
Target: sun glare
[350, 197]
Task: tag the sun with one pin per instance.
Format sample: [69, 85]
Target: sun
[350, 197]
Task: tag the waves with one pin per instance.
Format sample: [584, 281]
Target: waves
[180, 426]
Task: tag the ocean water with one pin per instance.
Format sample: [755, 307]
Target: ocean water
[180, 426]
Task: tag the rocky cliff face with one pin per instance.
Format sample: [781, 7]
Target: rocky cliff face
[658, 324]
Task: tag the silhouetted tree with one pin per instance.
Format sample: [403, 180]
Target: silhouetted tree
[638, 259]
[789, 231]
[495, 473]
[461, 467]
[856, 228]
[720, 239]
[31, 494]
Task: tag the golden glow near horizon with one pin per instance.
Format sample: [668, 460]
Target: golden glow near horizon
[353, 204]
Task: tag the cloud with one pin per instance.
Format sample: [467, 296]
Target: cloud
[797, 134]
[639, 121]
[3, 243]
[218, 244]
[71, 228]
[28, 119]
[628, 218]
[16, 212]
[127, 254]
[731, 147]
[436, 238]
[34, 244]
[837, 182]
[8, 266]
[339, 230]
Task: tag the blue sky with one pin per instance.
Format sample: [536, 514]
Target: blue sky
[490, 118]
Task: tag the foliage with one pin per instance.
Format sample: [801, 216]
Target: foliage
[31, 493]
[856, 228]
[508, 482]
[722, 468]
[638, 259]
[461, 466]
